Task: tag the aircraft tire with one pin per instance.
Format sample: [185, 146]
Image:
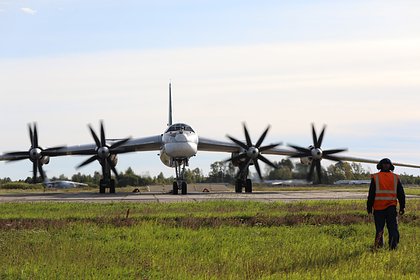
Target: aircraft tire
[248, 186]
[175, 188]
[112, 186]
[184, 188]
[102, 186]
[238, 186]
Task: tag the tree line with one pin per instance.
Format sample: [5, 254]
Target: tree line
[225, 172]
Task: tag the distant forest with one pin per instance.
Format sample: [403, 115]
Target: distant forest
[222, 172]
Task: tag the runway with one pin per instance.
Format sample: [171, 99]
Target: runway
[195, 196]
[196, 192]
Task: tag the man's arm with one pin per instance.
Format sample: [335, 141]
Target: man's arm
[401, 195]
[371, 196]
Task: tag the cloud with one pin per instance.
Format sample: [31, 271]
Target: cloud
[28, 11]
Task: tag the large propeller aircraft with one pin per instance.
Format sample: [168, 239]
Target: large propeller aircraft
[177, 144]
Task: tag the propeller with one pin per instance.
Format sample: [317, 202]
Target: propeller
[251, 152]
[103, 152]
[36, 154]
[316, 153]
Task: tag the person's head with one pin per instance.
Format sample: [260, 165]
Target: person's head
[385, 165]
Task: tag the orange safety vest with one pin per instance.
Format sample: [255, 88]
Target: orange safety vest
[386, 190]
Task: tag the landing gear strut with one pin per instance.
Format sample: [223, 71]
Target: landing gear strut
[242, 181]
[106, 181]
[180, 183]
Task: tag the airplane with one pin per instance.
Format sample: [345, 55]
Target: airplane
[63, 184]
[291, 182]
[176, 145]
[352, 182]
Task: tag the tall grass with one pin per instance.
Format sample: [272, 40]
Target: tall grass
[78, 241]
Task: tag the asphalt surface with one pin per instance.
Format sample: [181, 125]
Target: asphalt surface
[195, 193]
[193, 196]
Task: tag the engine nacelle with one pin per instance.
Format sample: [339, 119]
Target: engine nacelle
[45, 160]
[114, 159]
[235, 162]
[165, 159]
[306, 160]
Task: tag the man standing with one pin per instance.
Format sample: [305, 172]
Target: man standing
[385, 189]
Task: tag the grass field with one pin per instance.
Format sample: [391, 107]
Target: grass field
[206, 240]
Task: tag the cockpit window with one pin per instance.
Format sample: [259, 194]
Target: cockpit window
[180, 126]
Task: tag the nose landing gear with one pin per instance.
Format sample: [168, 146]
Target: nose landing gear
[180, 183]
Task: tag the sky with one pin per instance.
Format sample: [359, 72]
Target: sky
[353, 65]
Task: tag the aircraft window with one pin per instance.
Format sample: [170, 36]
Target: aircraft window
[180, 126]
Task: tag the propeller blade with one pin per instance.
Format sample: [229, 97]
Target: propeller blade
[237, 157]
[119, 143]
[330, 152]
[34, 171]
[31, 135]
[321, 137]
[311, 172]
[114, 170]
[52, 151]
[262, 137]
[269, 147]
[89, 160]
[266, 161]
[41, 171]
[95, 137]
[319, 170]
[239, 143]
[257, 167]
[103, 139]
[314, 137]
[18, 154]
[35, 136]
[248, 138]
[53, 148]
[301, 149]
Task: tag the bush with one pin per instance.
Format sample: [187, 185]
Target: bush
[20, 186]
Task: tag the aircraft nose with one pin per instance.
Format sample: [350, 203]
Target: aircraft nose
[181, 138]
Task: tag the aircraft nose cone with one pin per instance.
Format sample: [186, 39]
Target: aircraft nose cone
[181, 138]
[103, 152]
[253, 152]
[35, 153]
[317, 153]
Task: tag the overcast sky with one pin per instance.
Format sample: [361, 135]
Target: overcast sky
[354, 65]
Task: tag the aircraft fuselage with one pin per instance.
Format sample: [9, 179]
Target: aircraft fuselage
[179, 142]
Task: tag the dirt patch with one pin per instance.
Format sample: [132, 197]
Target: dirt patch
[199, 222]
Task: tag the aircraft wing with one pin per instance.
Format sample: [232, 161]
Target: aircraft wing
[210, 145]
[152, 143]
[355, 159]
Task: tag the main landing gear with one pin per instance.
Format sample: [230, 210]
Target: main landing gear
[107, 183]
[243, 184]
[180, 184]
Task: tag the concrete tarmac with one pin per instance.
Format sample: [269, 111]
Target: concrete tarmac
[193, 196]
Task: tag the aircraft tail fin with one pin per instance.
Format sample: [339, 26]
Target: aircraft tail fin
[170, 106]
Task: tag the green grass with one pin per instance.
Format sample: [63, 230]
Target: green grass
[205, 240]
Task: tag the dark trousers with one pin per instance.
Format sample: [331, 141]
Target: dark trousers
[388, 216]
